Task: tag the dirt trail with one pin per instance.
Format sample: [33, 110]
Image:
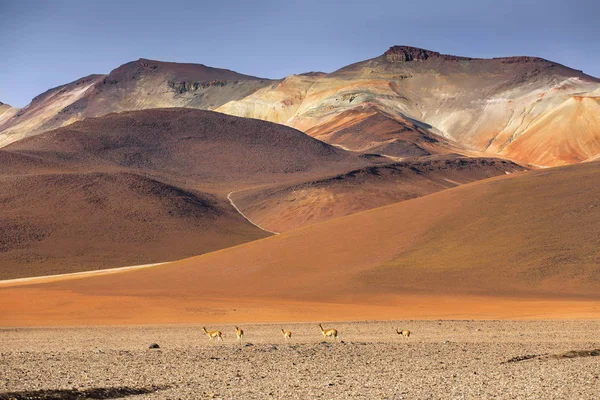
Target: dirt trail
[74, 275]
[243, 215]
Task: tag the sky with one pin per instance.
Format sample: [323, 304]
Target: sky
[47, 43]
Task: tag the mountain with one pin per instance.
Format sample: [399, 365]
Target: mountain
[526, 243]
[520, 108]
[137, 85]
[45, 110]
[143, 186]
[189, 144]
[405, 102]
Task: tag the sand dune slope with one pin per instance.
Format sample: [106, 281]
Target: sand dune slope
[533, 236]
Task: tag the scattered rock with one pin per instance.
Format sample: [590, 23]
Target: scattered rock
[75, 394]
[154, 346]
[521, 358]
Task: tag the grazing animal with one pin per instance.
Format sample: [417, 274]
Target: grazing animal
[405, 332]
[287, 335]
[239, 333]
[213, 334]
[333, 333]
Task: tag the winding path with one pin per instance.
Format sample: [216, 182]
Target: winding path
[243, 215]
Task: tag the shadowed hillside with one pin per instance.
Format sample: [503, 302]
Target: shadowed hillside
[58, 223]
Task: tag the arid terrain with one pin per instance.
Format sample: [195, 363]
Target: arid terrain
[452, 196]
[440, 360]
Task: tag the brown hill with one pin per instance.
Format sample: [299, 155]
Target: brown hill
[523, 243]
[205, 146]
[144, 186]
[286, 207]
[60, 223]
[200, 153]
[137, 85]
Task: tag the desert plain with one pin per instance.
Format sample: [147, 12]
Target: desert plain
[442, 359]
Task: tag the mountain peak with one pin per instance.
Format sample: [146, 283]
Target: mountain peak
[402, 54]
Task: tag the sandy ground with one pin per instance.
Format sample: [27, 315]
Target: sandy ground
[441, 360]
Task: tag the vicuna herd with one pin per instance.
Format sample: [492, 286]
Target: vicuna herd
[287, 335]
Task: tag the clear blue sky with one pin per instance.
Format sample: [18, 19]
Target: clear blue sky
[47, 43]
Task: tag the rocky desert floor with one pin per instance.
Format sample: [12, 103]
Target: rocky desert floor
[440, 360]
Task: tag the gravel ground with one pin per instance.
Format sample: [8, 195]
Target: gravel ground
[440, 360]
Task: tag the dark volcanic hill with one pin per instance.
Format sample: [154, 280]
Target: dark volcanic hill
[203, 146]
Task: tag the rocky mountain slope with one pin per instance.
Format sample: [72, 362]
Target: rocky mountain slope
[405, 102]
[525, 108]
[141, 84]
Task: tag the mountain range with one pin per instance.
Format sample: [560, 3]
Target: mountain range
[405, 102]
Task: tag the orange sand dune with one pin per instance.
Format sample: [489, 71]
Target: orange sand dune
[521, 246]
